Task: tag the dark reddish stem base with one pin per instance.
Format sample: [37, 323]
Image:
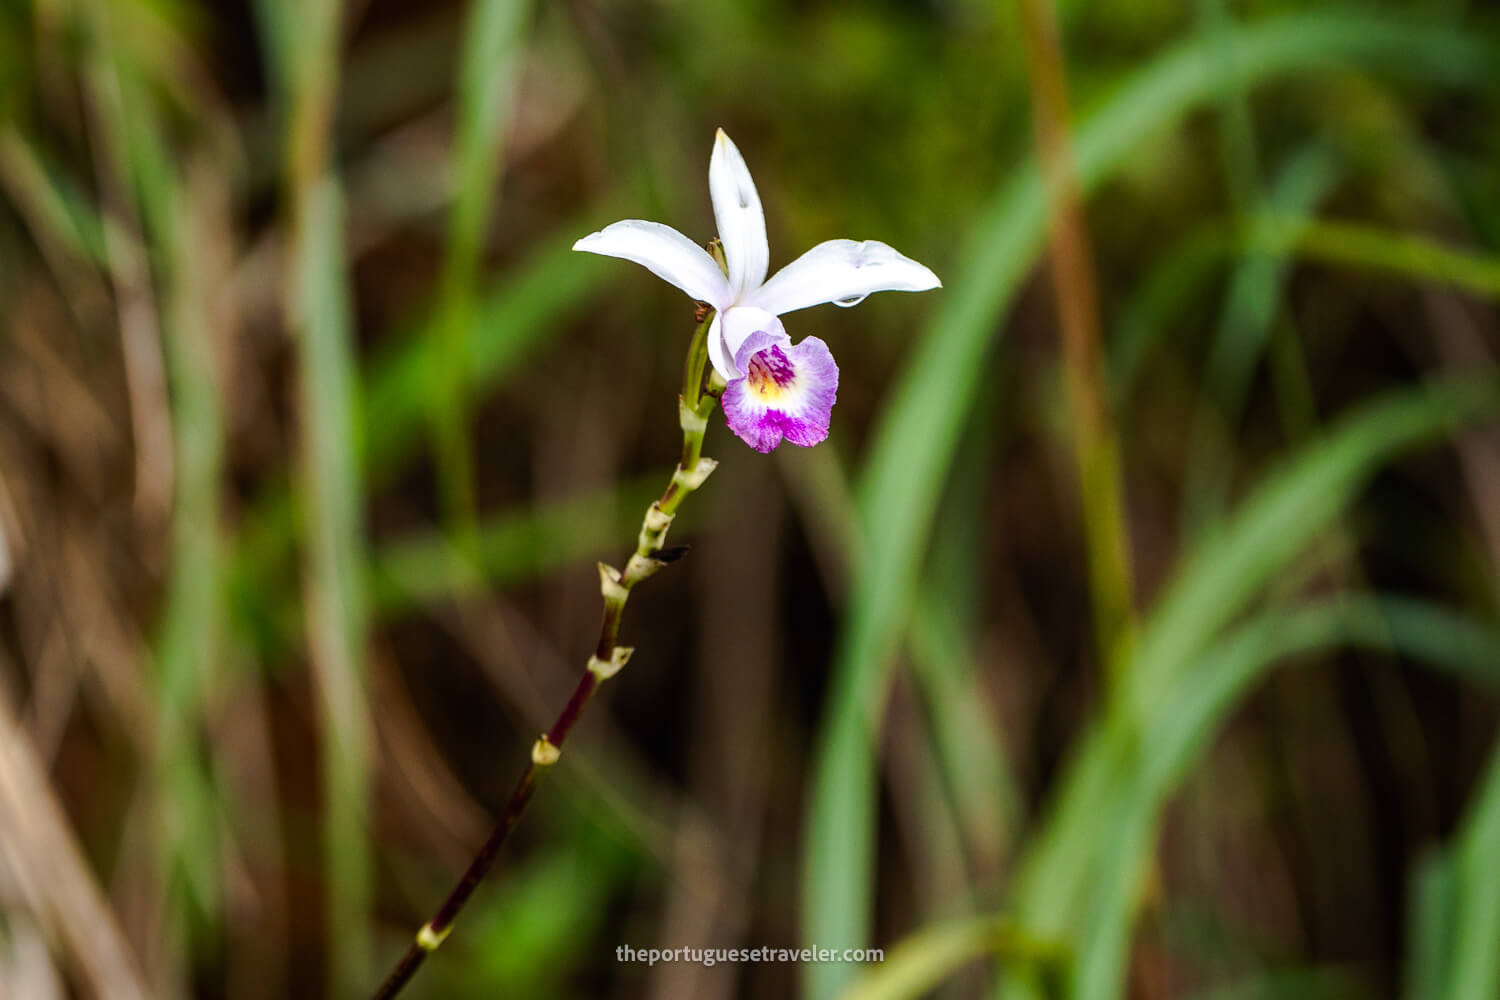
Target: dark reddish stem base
[442, 921]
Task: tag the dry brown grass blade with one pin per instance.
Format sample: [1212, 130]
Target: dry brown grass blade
[1096, 445]
[52, 874]
[136, 306]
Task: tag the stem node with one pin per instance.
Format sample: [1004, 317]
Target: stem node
[610, 585]
[429, 939]
[605, 669]
[692, 421]
[638, 568]
[690, 481]
[654, 529]
[545, 753]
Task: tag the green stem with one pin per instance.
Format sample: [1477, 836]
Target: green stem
[692, 370]
[694, 406]
[614, 586]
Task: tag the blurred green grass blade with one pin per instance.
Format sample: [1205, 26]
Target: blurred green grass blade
[186, 645]
[512, 320]
[530, 933]
[1084, 887]
[489, 66]
[978, 785]
[1312, 983]
[551, 288]
[1227, 569]
[1250, 308]
[918, 432]
[1147, 315]
[970, 755]
[190, 633]
[1177, 735]
[510, 547]
[523, 940]
[1470, 178]
[922, 962]
[304, 45]
[1429, 928]
[418, 570]
[1253, 297]
[1240, 151]
[335, 611]
[1218, 579]
[1474, 970]
[18, 57]
[1434, 634]
[1365, 246]
[1362, 246]
[972, 761]
[54, 209]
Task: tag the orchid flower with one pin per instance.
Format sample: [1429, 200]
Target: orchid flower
[774, 389]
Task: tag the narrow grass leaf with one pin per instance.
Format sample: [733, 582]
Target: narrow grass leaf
[489, 66]
[511, 547]
[1429, 931]
[1250, 308]
[921, 963]
[1474, 958]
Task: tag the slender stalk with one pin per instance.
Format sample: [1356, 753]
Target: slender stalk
[1096, 446]
[695, 405]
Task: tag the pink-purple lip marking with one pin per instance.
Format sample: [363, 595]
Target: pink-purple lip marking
[770, 366]
[787, 394]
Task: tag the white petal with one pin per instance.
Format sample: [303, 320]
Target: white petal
[664, 252]
[730, 330]
[842, 272]
[741, 321]
[742, 224]
[718, 354]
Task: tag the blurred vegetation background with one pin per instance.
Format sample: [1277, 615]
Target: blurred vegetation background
[312, 426]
